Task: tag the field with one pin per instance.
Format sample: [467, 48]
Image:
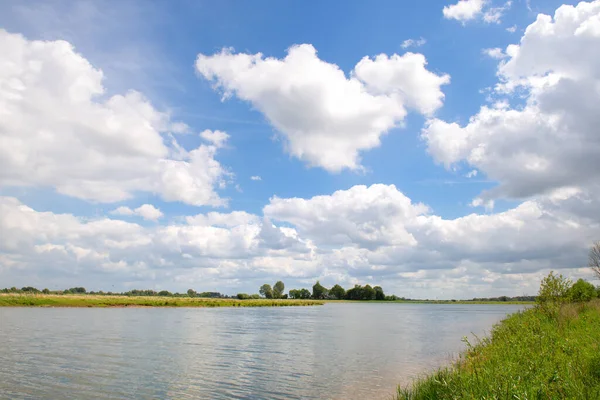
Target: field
[49, 300]
[530, 355]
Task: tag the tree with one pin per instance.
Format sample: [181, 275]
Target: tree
[164, 293]
[379, 295]
[337, 292]
[355, 293]
[368, 293]
[46, 291]
[243, 296]
[582, 291]
[278, 289]
[266, 291]
[594, 259]
[191, 293]
[553, 292]
[305, 293]
[319, 291]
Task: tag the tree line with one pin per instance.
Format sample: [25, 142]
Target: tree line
[320, 292]
[134, 292]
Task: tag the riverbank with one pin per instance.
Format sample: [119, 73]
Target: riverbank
[529, 355]
[68, 300]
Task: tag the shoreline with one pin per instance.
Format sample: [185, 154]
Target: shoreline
[529, 354]
[109, 301]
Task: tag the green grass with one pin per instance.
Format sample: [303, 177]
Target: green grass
[529, 355]
[41, 300]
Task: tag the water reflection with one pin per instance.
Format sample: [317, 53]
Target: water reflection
[338, 351]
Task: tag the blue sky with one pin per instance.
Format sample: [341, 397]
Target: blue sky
[152, 47]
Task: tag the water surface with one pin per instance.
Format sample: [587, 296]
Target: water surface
[336, 351]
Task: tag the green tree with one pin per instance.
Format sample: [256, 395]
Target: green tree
[266, 291]
[379, 295]
[165, 293]
[582, 291]
[337, 292]
[319, 291]
[294, 294]
[356, 293]
[368, 293]
[46, 291]
[278, 289]
[305, 293]
[554, 291]
[243, 296]
[191, 293]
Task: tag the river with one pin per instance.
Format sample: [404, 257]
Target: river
[336, 351]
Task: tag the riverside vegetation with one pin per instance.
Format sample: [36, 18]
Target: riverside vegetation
[551, 351]
[94, 300]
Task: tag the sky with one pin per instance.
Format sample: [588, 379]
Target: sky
[439, 149]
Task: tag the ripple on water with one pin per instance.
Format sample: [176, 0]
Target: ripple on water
[338, 351]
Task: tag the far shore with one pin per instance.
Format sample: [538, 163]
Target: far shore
[106, 301]
[118, 301]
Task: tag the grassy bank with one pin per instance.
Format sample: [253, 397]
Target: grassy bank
[43, 300]
[529, 355]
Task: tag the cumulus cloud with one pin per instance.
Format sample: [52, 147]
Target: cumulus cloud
[326, 118]
[467, 10]
[464, 10]
[146, 211]
[362, 234]
[256, 178]
[551, 142]
[495, 53]
[58, 130]
[413, 43]
[217, 138]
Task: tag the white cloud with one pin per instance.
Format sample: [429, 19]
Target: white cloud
[552, 141]
[365, 215]
[256, 178]
[464, 10]
[413, 43]
[146, 211]
[512, 29]
[57, 130]
[495, 53]
[468, 10]
[471, 174]
[217, 138]
[326, 118]
[493, 15]
[364, 234]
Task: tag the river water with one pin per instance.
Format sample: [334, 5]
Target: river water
[336, 351]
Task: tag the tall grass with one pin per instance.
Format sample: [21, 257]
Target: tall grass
[529, 355]
[45, 300]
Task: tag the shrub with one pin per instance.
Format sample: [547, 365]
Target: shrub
[582, 291]
[554, 291]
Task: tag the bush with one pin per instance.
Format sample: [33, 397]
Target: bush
[582, 291]
[554, 292]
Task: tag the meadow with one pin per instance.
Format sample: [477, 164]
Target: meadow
[87, 300]
[533, 354]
